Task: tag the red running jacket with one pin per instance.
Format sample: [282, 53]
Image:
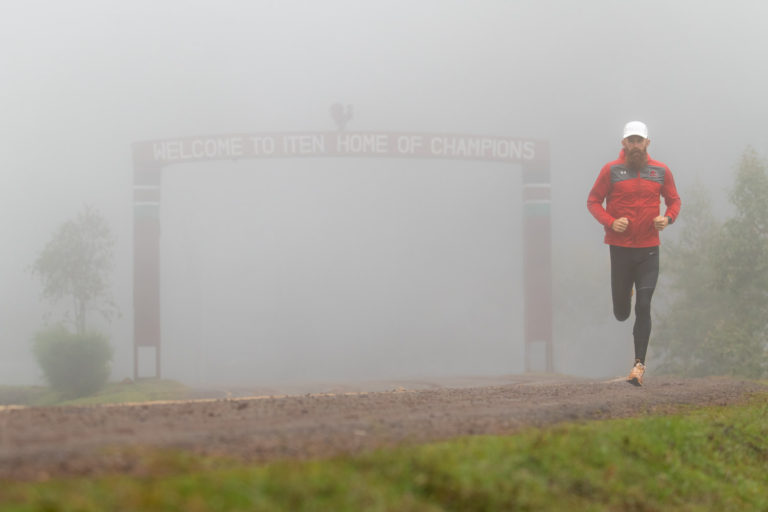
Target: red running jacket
[636, 196]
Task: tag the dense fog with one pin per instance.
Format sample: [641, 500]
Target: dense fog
[332, 269]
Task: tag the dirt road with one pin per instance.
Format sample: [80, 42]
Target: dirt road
[36, 443]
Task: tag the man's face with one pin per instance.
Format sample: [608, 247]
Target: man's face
[635, 149]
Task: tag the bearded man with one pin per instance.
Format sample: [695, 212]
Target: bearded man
[631, 187]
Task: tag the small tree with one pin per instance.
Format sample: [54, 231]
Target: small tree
[693, 302]
[738, 343]
[76, 266]
[717, 318]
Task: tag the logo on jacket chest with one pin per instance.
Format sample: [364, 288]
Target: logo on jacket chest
[653, 174]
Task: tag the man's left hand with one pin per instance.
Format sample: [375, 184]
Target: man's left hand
[660, 222]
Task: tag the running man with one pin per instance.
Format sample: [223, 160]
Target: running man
[631, 187]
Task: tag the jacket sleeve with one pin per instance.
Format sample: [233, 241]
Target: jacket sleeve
[671, 199]
[597, 195]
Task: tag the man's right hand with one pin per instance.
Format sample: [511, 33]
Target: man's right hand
[620, 225]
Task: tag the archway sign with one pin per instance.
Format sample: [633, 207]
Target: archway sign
[531, 156]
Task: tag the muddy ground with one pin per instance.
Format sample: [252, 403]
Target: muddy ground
[41, 442]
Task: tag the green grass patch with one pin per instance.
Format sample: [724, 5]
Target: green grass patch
[702, 460]
[143, 390]
[21, 395]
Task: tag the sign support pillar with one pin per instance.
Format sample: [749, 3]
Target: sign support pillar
[537, 266]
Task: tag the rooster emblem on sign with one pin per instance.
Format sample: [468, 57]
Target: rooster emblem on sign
[341, 115]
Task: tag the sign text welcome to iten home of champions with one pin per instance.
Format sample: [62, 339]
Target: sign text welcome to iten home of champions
[150, 157]
[170, 151]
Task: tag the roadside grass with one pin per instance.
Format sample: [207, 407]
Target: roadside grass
[704, 459]
[143, 390]
[21, 395]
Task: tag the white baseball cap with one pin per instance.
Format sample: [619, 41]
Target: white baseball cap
[635, 128]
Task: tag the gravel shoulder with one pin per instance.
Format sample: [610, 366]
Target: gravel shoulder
[41, 442]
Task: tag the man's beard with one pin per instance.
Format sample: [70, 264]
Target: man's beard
[637, 159]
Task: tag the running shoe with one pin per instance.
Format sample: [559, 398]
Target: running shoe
[636, 375]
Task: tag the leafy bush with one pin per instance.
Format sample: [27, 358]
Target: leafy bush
[74, 364]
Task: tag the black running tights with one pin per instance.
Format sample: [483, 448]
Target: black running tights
[638, 267]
